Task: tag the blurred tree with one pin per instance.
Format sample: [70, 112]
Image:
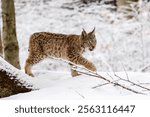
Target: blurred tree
[113, 2]
[10, 43]
[128, 10]
[1, 49]
[125, 2]
[89, 1]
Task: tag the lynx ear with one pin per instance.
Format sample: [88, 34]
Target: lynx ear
[93, 31]
[84, 33]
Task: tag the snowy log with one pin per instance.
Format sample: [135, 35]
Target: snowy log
[12, 80]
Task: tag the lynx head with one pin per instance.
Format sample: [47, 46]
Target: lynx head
[88, 39]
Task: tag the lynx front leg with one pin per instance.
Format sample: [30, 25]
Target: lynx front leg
[84, 62]
[74, 73]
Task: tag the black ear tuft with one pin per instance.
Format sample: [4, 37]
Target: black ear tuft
[93, 31]
[84, 33]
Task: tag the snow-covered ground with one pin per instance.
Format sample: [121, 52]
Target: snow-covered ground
[122, 45]
[60, 85]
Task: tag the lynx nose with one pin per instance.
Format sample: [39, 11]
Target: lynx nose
[92, 48]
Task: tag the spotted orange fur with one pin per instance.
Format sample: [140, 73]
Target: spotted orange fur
[67, 47]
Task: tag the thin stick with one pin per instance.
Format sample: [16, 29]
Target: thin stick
[115, 83]
[80, 94]
[96, 75]
[103, 84]
[132, 83]
[125, 71]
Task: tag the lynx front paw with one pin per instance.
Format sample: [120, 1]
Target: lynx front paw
[91, 67]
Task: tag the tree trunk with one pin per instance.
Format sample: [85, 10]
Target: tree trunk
[12, 81]
[1, 48]
[10, 43]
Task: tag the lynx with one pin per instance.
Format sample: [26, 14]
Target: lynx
[68, 47]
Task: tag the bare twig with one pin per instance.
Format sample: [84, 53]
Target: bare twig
[144, 68]
[80, 94]
[96, 75]
[125, 71]
[115, 83]
[132, 83]
[103, 84]
[145, 83]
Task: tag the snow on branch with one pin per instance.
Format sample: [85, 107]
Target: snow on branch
[96, 75]
[83, 70]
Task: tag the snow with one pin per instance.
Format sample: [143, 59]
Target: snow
[122, 47]
[119, 41]
[60, 85]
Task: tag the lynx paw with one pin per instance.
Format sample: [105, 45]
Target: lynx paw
[91, 67]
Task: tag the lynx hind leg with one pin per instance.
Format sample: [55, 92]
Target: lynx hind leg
[74, 73]
[28, 67]
[32, 60]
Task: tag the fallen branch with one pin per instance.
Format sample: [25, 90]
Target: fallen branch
[103, 84]
[80, 94]
[109, 81]
[144, 68]
[132, 82]
[96, 75]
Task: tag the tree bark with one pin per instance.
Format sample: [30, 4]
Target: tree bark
[1, 48]
[10, 43]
